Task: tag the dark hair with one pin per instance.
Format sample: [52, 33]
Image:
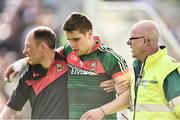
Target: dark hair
[47, 36]
[77, 21]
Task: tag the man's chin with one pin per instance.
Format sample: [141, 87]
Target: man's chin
[78, 53]
[133, 56]
[31, 63]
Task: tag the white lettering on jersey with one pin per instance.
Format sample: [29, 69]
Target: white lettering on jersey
[78, 71]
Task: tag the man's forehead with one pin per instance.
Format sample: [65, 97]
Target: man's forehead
[28, 37]
[73, 34]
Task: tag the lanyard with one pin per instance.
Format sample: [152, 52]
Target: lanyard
[136, 86]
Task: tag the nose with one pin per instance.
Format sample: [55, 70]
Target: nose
[24, 51]
[72, 44]
[128, 42]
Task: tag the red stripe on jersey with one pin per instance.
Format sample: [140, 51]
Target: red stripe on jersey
[56, 70]
[118, 74]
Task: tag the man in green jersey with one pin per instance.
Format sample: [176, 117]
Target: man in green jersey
[90, 62]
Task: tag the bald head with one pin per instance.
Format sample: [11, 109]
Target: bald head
[43, 34]
[147, 28]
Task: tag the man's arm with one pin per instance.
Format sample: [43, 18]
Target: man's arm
[16, 101]
[7, 113]
[15, 68]
[172, 91]
[121, 102]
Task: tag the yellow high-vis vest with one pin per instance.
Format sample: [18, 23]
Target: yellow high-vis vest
[151, 102]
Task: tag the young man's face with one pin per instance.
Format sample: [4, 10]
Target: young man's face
[32, 50]
[81, 43]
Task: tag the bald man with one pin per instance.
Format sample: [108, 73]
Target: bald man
[44, 84]
[155, 90]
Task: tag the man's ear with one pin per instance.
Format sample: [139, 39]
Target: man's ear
[43, 46]
[146, 40]
[90, 34]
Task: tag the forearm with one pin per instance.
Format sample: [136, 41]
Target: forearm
[120, 103]
[15, 68]
[18, 65]
[8, 113]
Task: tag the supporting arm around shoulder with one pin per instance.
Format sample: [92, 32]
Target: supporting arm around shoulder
[122, 83]
[7, 113]
[15, 68]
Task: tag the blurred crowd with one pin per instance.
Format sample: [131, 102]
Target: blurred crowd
[17, 17]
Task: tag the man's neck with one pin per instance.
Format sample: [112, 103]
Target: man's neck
[151, 52]
[48, 59]
[91, 47]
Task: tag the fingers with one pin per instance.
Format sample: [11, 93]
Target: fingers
[109, 89]
[13, 75]
[121, 90]
[122, 83]
[107, 85]
[85, 116]
[10, 77]
[9, 74]
[122, 87]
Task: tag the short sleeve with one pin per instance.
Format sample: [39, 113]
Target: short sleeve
[19, 96]
[114, 64]
[172, 85]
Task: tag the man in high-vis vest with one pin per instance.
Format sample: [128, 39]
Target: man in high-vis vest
[155, 89]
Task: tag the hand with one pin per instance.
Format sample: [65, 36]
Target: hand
[94, 114]
[9, 74]
[107, 85]
[8, 113]
[122, 86]
[15, 68]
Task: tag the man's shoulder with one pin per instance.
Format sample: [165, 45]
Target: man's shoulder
[33, 71]
[110, 58]
[67, 49]
[109, 53]
[106, 51]
[174, 75]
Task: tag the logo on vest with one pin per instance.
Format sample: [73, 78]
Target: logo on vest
[145, 83]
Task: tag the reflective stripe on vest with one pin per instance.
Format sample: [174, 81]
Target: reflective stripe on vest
[152, 108]
[174, 102]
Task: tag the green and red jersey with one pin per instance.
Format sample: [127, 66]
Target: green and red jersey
[86, 72]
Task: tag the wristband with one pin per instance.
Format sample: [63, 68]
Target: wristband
[103, 111]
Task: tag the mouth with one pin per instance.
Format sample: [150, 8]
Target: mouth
[76, 50]
[132, 50]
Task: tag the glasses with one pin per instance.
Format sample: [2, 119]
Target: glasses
[133, 38]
